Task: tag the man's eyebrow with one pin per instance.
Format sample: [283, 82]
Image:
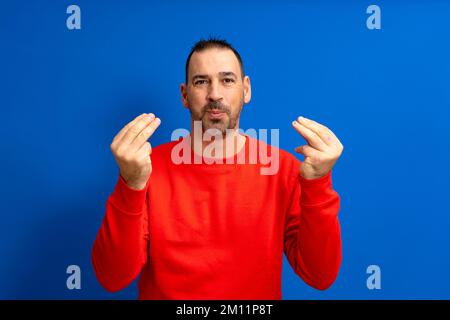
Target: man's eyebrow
[199, 76]
[222, 74]
[227, 73]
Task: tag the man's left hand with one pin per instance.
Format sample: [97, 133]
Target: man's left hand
[321, 152]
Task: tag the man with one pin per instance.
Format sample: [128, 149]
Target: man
[218, 230]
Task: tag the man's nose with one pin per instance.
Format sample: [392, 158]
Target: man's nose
[214, 92]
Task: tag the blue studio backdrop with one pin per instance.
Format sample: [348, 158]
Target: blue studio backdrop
[384, 92]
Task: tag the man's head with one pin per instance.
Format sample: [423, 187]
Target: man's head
[216, 87]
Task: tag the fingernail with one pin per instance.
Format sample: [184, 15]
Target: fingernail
[151, 115]
[158, 120]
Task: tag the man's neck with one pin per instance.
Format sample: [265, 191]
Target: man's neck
[222, 146]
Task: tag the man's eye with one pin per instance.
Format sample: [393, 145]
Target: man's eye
[199, 82]
[228, 80]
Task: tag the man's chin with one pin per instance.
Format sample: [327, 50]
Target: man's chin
[219, 125]
[214, 127]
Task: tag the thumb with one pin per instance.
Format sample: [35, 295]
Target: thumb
[307, 151]
[300, 150]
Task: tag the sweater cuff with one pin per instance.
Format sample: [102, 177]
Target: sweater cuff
[129, 200]
[316, 191]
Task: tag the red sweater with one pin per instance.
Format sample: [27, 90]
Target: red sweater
[218, 231]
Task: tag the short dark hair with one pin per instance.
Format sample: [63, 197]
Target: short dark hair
[212, 42]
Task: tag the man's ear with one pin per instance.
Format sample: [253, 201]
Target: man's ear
[184, 97]
[247, 89]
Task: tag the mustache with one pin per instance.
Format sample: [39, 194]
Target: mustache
[216, 105]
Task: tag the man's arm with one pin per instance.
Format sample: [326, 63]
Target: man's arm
[121, 246]
[120, 249]
[312, 240]
[313, 237]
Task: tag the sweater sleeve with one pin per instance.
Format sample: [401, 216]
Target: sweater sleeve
[312, 240]
[120, 248]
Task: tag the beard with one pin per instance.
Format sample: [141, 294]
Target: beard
[228, 121]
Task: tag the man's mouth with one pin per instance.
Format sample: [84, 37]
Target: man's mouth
[215, 114]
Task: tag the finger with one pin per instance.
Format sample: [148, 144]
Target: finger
[134, 130]
[145, 150]
[310, 136]
[325, 134]
[145, 134]
[122, 132]
[308, 151]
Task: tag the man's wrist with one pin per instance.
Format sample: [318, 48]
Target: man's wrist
[129, 200]
[316, 191]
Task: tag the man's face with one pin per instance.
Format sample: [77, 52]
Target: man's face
[215, 92]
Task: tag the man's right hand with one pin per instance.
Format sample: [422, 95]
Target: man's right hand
[132, 150]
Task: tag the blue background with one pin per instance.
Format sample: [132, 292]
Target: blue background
[385, 93]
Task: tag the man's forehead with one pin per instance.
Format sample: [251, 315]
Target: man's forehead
[214, 60]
